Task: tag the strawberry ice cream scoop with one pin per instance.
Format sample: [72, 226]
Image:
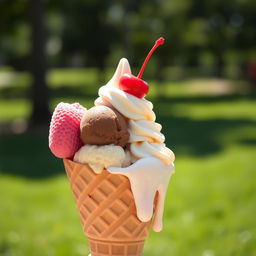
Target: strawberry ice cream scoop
[64, 135]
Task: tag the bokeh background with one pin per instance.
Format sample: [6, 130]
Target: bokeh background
[203, 86]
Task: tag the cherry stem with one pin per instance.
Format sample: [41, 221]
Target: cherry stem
[157, 43]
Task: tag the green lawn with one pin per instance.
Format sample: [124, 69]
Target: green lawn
[211, 202]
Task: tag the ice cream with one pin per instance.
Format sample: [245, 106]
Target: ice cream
[102, 157]
[120, 173]
[102, 125]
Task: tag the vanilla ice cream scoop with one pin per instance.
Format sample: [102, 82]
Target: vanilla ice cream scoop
[102, 157]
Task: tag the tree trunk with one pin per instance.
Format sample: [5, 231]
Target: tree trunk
[40, 92]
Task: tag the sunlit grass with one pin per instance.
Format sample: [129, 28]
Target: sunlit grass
[243, 109]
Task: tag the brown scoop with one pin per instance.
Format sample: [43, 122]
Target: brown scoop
[102, 125]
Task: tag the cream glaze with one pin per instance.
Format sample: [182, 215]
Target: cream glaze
[147, 177]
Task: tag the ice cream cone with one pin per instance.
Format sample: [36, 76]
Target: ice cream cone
[107, 211]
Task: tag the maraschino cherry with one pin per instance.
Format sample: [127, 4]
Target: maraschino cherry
[135, 85]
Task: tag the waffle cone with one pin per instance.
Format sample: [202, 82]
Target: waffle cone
[107, 211]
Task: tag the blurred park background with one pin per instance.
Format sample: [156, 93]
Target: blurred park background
[203, 86]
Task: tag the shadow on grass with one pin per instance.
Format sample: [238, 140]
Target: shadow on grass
[250, 142]
[28, 155]
[200, 137]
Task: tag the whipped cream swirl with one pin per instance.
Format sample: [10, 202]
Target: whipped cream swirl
[146, 139]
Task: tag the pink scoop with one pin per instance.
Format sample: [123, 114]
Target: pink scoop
[64, 135]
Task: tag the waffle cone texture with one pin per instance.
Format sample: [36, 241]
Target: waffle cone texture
[107, 211]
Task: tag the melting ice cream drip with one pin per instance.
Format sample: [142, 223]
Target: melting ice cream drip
[147, 177]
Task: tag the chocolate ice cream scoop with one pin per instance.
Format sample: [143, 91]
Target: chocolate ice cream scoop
[102, 125]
